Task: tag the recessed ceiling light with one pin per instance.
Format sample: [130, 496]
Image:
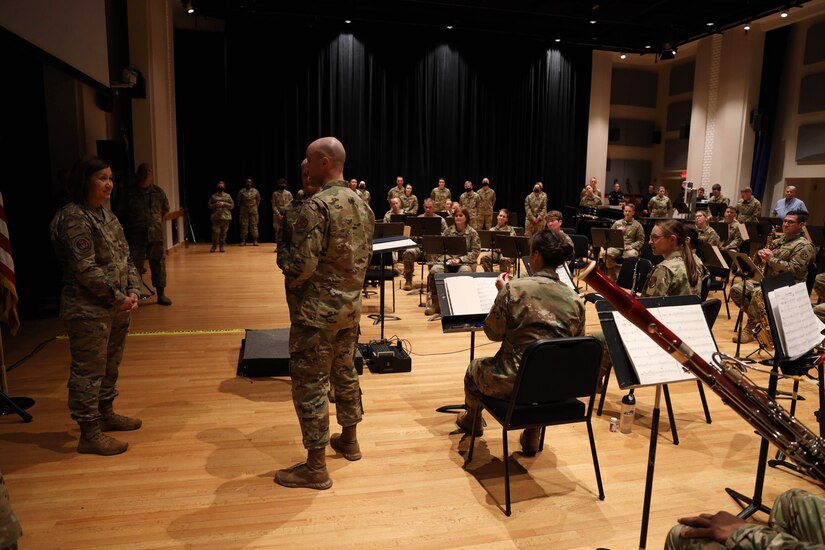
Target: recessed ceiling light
[558, 39]
[647, 47]
[347, 21]
[709, 24]
[623, 56]
[449, 27]
[592, 21]
[783, 14]
[747, 27]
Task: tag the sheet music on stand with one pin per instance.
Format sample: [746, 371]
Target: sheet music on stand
[451, 305]
[798, 328]
[470, 295]
[386, 244]
[637, 359]
[711, 255]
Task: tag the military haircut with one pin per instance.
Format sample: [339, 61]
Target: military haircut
[554, 215]
[716, 187]
[801, 215]
[77, 186]
[552, 247]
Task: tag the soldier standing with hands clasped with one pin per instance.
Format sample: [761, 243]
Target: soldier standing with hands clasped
[221, 205]
[248, 201]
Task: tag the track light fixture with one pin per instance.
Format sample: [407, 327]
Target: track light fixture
[190, 9]
[784, 14]
[623, 56]
[668, 51]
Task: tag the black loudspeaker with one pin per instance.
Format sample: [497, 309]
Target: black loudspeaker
[656, 137]
[614, 134]
[684, 132]
[266, 353]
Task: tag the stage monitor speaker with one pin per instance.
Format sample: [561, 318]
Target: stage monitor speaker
[266, 353]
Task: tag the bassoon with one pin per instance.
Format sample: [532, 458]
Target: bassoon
[725, 376]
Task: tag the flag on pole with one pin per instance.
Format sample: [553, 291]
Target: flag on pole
[8, 285]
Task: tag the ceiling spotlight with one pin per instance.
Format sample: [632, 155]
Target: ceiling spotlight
[347, 21]
[747, 28]
[623, 56]
[190, 9]
[709, 24]
[449, 27]
[668, 52]
[783, 14]
[592, 21]
[647, 47]
[558, 39]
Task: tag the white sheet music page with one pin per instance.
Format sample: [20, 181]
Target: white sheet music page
[652, 364]
[564, 277]
[471, 295]
[799, 329]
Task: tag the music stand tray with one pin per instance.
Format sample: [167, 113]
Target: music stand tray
[717, 209]
[607, 238]
[486, 238]
[513, 247]
[428, 225]
[722, 229]
[390, 229]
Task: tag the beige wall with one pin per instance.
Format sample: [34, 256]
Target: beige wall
[599, 118]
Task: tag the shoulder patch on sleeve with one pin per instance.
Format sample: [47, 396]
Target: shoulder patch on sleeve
[81, 245]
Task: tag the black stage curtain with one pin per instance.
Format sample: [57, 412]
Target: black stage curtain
[402, 104]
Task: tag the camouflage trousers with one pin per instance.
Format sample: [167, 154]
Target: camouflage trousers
[318, 358]
[474, 222]
[96, 347]
[485, 220]
[408, 258]
[249, 224]
[156, 254]
[819, 311]
[796, 516]
[490, 257]
[752, 293]
[819, 286]
[612, 253]
[531, 228]
[219, 229]
[439, 268]
[486, 376]
[10, 529]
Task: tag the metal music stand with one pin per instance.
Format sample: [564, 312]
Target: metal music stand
[513, 247]
[420, 226]
[749, 270]
[486, 238]
[388, 237]
[398, 218]
[602, 239]
[717, 209]
[722, 229]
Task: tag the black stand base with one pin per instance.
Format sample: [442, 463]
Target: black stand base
[16, 405]
[752, 506]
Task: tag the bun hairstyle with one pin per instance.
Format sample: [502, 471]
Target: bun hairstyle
[552, 247]
[675, 228]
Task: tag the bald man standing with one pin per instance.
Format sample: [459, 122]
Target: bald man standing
[331, 248]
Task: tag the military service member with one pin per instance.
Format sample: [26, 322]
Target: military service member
[819, 287]
[490, 257]
[100, 291]
[594, 185]
[791, 252]
[440, 195]
[734, 239]
[409, 202]
[554, 223]
[705, 232]
[535, 208]
[362, 191]
[469, 200]
[717, 197]
[590, 199]
[634, 237]
[10, 531]
[330, 250]
[398, 190]
[681, 272]
[146, 207]
[452, 264]
[796, 521]
[660, 205]
[526, 309]
[353, 185]
[748, 208]
[486, 204]
[248, 201]
[412, 255]
[395, 208]
[281, 197]
[221, 205]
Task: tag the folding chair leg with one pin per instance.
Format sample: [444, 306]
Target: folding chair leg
[506, 474]
[595, 459]
[472, 442]
[604, 391]
[727, 307]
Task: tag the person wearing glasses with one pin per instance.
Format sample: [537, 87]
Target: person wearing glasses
[791, 252]
[681, 272]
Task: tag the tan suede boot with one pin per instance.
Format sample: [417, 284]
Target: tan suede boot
[311, 474]
[464, 421]
[110, 421]
[346, 443]
[408, 281]
[529, 440]
[747, 333]
[93, 441]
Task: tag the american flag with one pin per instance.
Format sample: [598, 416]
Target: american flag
[8, 285]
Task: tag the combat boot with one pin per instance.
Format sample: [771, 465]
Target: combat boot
[242, 243]
[110, 421]
[214, 248]
[95, 442]
[162, 298]
[346, 443]
[529, 440]
[222, 248]
[464, 421]
[747, 333]
[407, 281]
[311, 474]
[255, 242]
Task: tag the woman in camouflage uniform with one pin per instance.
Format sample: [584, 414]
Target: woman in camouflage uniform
[100, 291]
[453, 264]
[681, 272]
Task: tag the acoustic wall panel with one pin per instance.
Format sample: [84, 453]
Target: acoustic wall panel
[681, 78]
[812, 93]
[633, 87]
[810, 144]
[633, 174]
[630, 132]
[676, 154]
[815, 44]
[678, 114]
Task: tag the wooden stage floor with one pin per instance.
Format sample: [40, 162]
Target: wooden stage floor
[199, 474]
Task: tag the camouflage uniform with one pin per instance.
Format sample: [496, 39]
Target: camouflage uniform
[734, 240]
[526, 309]
[10, 529]
[722, 199]
[248, 202]
[98, 277]
[708, 235]
[440, 197]
[409, 204]
[365, 195]
[486, 204]
[819, 286]
[388, 216]
[490, 257]
[659, 207]
[395, 192]
[468, 262]
[284, 257]
[412, 255]
[670, 278]
[634, 236]
[819, 311]
[469, 200]
[791, 255]
[280, 200]
[748, 211]
[584, 192]
[797, 521]
[592, 201]
[221, 216]
[330, 250]
[143, 224]
[535, 206]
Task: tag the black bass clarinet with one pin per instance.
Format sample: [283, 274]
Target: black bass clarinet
[725, 376]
